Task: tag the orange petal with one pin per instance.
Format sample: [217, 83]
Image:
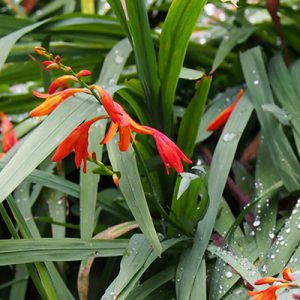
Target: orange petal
[125, 138]
[287, 274]
[9, 137]
[40, 95]
[223, 117]
[61, 82]
[110, 133]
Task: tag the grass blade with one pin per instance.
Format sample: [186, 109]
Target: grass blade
[177, 29]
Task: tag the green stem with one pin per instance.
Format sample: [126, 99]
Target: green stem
[155, 197]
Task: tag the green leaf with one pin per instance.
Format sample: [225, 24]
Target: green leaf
[236, 35]
[192, 117]
[280, 150]
[284, 86]
[176, 31]
[186, 179]
[190, 74]
[52, 181]
[286, 243]
[132, 189]
[43, 140]
[220, 167]
[7, 42]
[266, 209]
[139, 257]
[153, 283]
[50, 249]
[145, 57]
[281, 115]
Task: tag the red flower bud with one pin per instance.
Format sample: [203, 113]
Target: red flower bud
[83, 73]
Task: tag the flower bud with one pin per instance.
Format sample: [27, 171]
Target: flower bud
[83, 73]
[57, 59]
[115, 179]
[40, 50]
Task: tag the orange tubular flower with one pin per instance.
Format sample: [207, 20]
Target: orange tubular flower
[77, 141]
[61, 83]
[120, 121]
[267, 294]
[287, 274]
[169, 152]
[53, 100]
[222, 118]
[9, 137]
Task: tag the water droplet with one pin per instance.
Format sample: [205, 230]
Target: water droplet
[256, 223]
[288, 230]
[256, 82]
[118, 59]
[271, 235]
[298, 226]
[228, 137]
[228, 274]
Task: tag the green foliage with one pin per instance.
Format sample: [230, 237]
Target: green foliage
[230, 218]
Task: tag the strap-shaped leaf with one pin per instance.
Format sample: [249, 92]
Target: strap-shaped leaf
[44, 140]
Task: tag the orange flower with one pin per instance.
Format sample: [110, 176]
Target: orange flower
[9, 137]
[77, 141]
[120, 121]
[287, 274]
[222, 118]
[61, 83]
[270, 293]
[169, 152]
[53, 100]
[267, 294]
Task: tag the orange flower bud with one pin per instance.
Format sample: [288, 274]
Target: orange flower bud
[40, 50]
[83, 73]
[267, 280]
[116, 179]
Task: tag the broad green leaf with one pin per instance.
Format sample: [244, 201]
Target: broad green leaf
[52, 181]
[286, 242]
[220, 167]
[43, 141]
[266, 210]
[135, 262]
[191, 120]
[50, 249]
[190, 74]
[176, 31]
[281, 115]
[280, 150]
[153, 283]
[186, 179]
[236, 35]
[7, 42]
[132, 189]
[242, 265]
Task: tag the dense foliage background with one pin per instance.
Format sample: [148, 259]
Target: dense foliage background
[208, 233]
